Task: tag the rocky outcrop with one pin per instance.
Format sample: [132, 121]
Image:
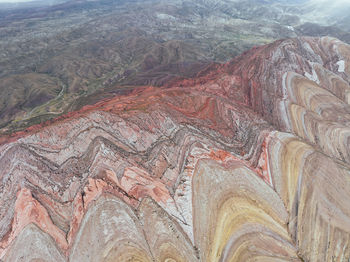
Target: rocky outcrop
[247, 162]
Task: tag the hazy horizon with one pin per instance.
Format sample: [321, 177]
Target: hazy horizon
[15, 1]
[315, 1]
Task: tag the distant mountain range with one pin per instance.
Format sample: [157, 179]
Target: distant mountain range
[59, 55]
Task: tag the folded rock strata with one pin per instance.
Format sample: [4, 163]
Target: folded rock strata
[247, 162]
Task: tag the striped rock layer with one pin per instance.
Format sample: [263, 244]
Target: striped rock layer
[250, 161]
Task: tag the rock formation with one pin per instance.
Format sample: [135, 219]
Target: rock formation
[67, 54]
[249, 161]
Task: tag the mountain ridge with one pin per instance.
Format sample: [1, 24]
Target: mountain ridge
[133, 177]
[57, 58]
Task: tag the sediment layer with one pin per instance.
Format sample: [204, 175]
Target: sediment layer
[247, 162]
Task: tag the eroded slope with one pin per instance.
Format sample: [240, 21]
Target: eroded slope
[247, 162]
